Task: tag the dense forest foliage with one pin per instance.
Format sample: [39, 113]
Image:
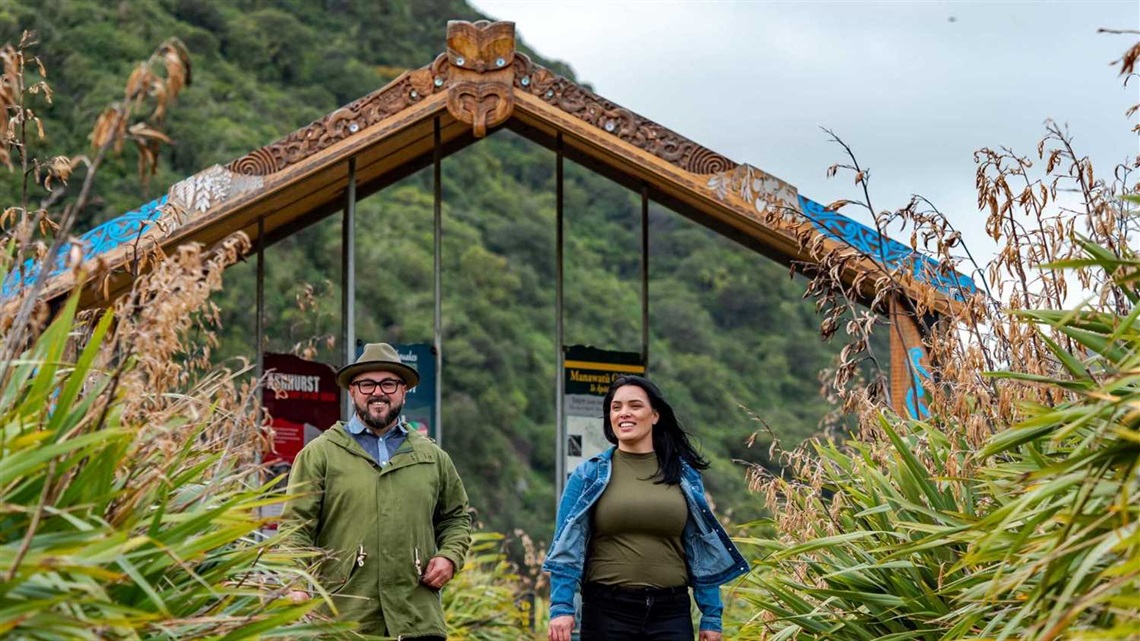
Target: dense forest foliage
[729, 330]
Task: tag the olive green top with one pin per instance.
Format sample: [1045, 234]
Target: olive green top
[636, 528]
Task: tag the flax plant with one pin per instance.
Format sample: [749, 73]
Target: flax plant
[129, 497]
[1011, 511]
[129, 487]
[483, 602]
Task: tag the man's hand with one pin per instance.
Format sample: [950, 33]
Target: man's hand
[560, 628]
[439, 571]
[297, 596]
[709, 635]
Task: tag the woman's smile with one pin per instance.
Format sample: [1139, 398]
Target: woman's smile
[632, 419]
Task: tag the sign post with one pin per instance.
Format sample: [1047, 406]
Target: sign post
[420, 402]
[587, 374]
[303, 400]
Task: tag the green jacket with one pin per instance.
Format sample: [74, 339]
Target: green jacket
[399, 516]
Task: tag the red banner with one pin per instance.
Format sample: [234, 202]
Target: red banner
[302, 399]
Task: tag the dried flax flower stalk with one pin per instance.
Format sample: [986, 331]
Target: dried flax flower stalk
[1045, 213]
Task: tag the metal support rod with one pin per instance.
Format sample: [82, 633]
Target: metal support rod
[348, 277]
[259, 322]
[259, 337]
[437, 266]
[559, 373]
[645, 276]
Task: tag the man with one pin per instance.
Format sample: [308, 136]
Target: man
[385, 502]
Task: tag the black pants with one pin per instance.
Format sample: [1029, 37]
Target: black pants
[611, 613]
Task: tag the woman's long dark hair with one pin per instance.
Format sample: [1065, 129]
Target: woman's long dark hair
[670, 441]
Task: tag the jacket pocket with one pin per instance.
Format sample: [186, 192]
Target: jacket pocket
[710, 556]
[354, 562]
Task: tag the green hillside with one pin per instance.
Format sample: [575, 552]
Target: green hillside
[729, 328]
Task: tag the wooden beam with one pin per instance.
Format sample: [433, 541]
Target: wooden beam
[774, 234]
[479, 84]
[911, 369]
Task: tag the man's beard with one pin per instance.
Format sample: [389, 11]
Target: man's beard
[383, 417]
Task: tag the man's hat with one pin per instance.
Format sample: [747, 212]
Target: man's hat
[378, 357]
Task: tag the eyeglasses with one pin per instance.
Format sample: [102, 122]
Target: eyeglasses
[388, 385]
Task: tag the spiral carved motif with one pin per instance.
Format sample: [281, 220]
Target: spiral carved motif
[259, 162]
[706, 161]
[616, 120]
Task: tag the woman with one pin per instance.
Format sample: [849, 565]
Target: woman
[635, 531]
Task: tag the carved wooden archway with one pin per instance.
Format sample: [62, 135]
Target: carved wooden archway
[479, 84]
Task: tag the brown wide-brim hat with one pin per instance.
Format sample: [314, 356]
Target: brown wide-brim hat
[378, 357]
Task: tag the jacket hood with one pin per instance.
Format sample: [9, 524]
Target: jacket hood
[340, 436]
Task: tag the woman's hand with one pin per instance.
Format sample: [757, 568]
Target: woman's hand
[560, 628]
[709, 635]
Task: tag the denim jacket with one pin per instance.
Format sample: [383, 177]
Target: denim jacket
[711, 557]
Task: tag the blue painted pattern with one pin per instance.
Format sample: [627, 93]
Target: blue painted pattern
[891, 253]
[111, 234]
[915, 394]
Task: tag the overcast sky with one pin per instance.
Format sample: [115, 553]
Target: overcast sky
[913, 87]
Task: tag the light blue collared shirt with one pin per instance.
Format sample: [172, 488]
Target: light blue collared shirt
[380, 448]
